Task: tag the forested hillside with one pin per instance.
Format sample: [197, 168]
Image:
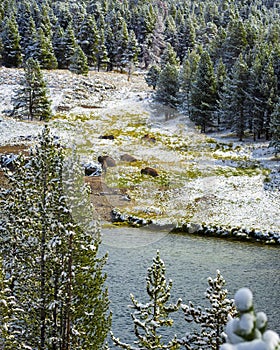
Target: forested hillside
[218, 59]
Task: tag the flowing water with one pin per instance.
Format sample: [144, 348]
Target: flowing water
[189, 261]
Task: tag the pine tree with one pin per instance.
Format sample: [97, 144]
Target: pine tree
[221, 75]
[79, 62]
[132, 53]
[150, 317]
[235, 42]
[169, 56]
[102, 55]
[65, 47]
[49, 245]
[153, 76]
[27, 29]
[153, 45]
[275, 127]
[186, 77]
[31, 100]
[203, 95]
[44, 51]
[168, 86]
[212, 320]
[233, 103]
[89, 38]
[11, 49]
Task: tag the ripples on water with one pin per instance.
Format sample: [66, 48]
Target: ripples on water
[189, 262]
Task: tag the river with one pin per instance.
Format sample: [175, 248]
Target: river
[189, 261]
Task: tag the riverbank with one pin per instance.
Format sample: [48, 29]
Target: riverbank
[203, 180]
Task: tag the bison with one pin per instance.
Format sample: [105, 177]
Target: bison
[128, 158]
[107, 137]
[149, 138]
[150, 171]
[106, 161]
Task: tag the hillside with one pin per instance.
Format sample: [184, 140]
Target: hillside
[211, 179]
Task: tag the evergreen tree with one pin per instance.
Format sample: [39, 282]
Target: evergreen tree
[235, 42]
[122, 42]
[49, 245]
[44, 51]
[262, 94]
[221, 75]
[11, 49]
[233, 102]
[66, 46]
[169, 56]
[186, 77]
[168, 86]
[203, 93]
[150, 317]
[275, 127]
[102, 55]
[57, 42]
[31, 100]
[153, 45]
[212, 320]
[153, 76]
[79, 63]
[27, 29]
[89, 38]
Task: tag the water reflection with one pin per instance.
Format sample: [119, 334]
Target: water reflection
[189, 262]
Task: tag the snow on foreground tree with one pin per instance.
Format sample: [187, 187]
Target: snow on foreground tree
[150, 317]
[49, 245]
[248, 330]
[212, 320]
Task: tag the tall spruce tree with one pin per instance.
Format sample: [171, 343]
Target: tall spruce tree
[148, 318]
[233, 103]
[167, 91]
[152, 76]
[186, 77]
[203, 93]
[79, 62]
[88, 38]
[11, 49]
[49, 245]
[31, 99]
[44, 51]
[275, 127]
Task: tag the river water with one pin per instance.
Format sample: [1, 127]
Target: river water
[189, 261]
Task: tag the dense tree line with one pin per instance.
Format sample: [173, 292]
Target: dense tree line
[219, 59]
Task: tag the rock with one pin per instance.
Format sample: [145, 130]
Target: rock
[149, 171]
[7, 161]
[92, 169]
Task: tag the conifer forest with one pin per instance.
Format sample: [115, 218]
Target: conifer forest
[217, 63]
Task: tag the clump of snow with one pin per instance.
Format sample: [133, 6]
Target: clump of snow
[243, 299]
[247, 332]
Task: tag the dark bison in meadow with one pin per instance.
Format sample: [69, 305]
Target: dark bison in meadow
[150, 171]
[107, 137]
[106, 161]
[128, 158]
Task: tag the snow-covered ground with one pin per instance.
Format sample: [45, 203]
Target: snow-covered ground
[213, 180]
